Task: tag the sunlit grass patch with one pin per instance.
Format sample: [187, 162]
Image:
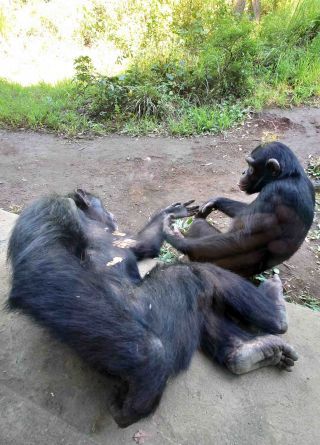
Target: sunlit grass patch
[42, 106]
[171, 67]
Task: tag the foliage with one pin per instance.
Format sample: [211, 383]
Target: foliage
[3, 23]
[313, 168]
[186, 66]
[42, 106]
[168, 254]
[92, 26]
[264, 276]
[307, 300]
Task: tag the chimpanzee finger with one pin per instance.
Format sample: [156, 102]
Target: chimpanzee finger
[185, 204]
[193, 210]
[205, 209]
[170, 218]
[205, 206]
[167, 224]
[176, 204]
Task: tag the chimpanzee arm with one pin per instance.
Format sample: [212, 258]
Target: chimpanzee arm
[213, 247]
[149, 240]
[228, 206]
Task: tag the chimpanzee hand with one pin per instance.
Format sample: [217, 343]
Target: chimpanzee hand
[170, 231]
[206, 208]
[179, 210]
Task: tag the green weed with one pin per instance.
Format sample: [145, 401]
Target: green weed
[307, 300]
[42, 106]
[188, 67]
[313, 168]
[168, 254]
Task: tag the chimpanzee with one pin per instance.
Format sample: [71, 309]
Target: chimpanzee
[147, 242]
[69, 275]
[265, 232]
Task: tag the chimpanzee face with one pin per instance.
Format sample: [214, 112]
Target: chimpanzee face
[261, 170]
[94, 209]
[250, 179]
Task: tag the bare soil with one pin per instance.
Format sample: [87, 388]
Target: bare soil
[136, 176]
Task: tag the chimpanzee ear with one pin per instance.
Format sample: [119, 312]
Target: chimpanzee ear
[273, 166]
[81, 198]
[250, 160]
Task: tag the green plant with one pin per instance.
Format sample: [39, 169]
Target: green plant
[43, 106]
[184, 66]
[3, 23]
[167, 253]
[94, 23]
[260, 278]
[309, 301]
[313, 168]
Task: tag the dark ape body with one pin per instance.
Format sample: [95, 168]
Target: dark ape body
[264, 233]
[70, 277]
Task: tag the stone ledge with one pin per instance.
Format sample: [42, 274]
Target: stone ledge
[205, 406]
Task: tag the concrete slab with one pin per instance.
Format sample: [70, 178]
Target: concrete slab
[48, 396]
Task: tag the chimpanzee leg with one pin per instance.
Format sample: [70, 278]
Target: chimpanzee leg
[72, 222]
[245, 264]
[241, 351]
[262, 307]
[200, 227]
[149, 240]
[266, 306]
[272, 289]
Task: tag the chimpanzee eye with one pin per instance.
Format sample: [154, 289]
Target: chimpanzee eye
[250, 171]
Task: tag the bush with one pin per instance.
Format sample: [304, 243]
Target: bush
[190, 66]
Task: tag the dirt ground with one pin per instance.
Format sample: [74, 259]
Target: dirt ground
[136, 176]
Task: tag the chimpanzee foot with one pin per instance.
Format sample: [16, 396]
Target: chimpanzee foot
[272, 288]
[268, 350]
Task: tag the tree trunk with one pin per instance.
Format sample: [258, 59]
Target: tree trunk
[256, 7]
[240, 6]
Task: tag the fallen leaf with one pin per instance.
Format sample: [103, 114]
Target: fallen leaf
[115, 260]
[124, 243]
[140, 436]
[116, 233]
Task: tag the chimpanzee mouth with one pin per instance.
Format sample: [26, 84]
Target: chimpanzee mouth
[242, 187]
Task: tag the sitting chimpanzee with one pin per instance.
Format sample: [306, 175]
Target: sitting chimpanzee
[70, 275]
[264, 233]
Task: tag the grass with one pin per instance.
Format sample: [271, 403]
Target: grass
[206, 119]
[42, 107]
[313, 168]
[183, 67]
[57, 108]
[307, 300]
[168, 254]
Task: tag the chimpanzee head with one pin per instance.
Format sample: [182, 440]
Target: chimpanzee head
[268, 163]
[93, 209]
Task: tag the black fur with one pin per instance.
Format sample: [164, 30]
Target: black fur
[145, 330]
[264, 233]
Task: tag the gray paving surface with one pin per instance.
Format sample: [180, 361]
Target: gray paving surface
[49, 397]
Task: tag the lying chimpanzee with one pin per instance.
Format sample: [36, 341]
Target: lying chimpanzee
[264, 233]
[70, 276]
